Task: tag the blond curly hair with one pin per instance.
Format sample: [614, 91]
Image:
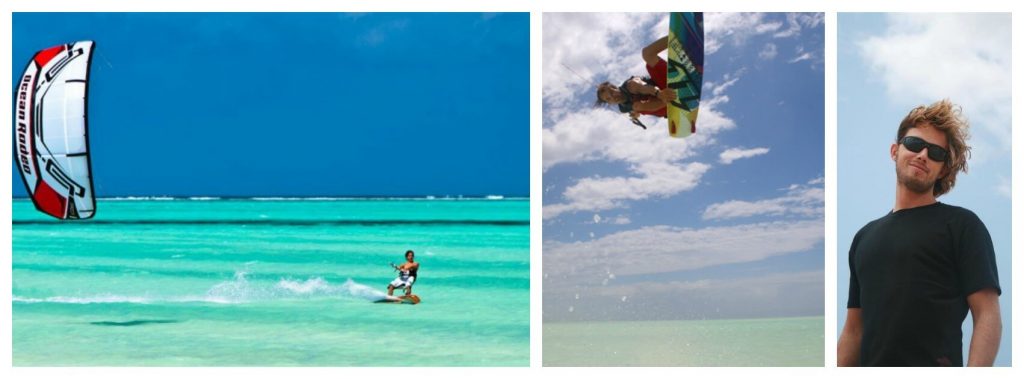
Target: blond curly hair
[948, 118]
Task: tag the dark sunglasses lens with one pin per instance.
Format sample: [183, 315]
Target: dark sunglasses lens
[936, 153]
[914, 144]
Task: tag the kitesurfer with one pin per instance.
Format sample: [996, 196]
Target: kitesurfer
[406, 274]
[642, 95]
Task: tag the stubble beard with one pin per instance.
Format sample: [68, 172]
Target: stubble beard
[912, 183]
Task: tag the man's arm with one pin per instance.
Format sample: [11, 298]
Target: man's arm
[650, 53]
[988, 327]
[849, 341]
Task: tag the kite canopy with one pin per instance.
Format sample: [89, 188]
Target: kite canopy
[51, 131]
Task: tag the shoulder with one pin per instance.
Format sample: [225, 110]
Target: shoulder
[957, 210]
[871, 226]
[960, 215]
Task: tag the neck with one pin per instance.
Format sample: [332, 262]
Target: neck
[906, 199]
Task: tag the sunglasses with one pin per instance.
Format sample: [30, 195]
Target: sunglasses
[935, 152]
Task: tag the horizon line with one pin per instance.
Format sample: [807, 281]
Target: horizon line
[331, 197]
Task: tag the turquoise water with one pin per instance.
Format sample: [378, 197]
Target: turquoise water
[754, 342]
[271, 283]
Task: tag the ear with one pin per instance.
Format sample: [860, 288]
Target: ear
[893, 149]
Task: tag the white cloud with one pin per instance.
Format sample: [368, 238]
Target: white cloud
[800, 200]
[661, 249]
[802, 57]
[617, 220]
[792, 30]
[718, 89]
[602, 134]
[730, 155]
[798, 21]
[734, 28]
[656, 179]
[620, 220]
[768, 52]
[923, 57]
[811, 20]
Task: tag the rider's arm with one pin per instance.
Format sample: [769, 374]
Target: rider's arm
[650, 53]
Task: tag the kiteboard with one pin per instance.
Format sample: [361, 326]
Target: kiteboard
[406, 299]
[50, 127]
[685, 71]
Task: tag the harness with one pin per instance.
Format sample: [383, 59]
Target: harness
[627, 106]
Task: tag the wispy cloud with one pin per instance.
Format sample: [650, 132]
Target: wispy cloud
[655, 179]
[615, 220]
[660, 249]
[730, 155]
[768, 52]
[802, 57]
[797, 21]
[806, 200]
[734, 28]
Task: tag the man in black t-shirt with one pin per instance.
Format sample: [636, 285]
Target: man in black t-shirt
[915, 272]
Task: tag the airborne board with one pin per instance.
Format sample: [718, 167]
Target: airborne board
[409, 299]
[51, 131]
[685, 70]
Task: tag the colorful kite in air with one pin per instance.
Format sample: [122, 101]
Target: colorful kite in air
[51, 135]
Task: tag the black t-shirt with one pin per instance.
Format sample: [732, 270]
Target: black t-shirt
[910, 273]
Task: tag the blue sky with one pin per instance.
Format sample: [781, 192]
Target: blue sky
[891, 63]
[728, 223]
[300, 104]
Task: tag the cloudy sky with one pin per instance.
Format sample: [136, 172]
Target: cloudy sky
[891, 63]
[727, 223]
